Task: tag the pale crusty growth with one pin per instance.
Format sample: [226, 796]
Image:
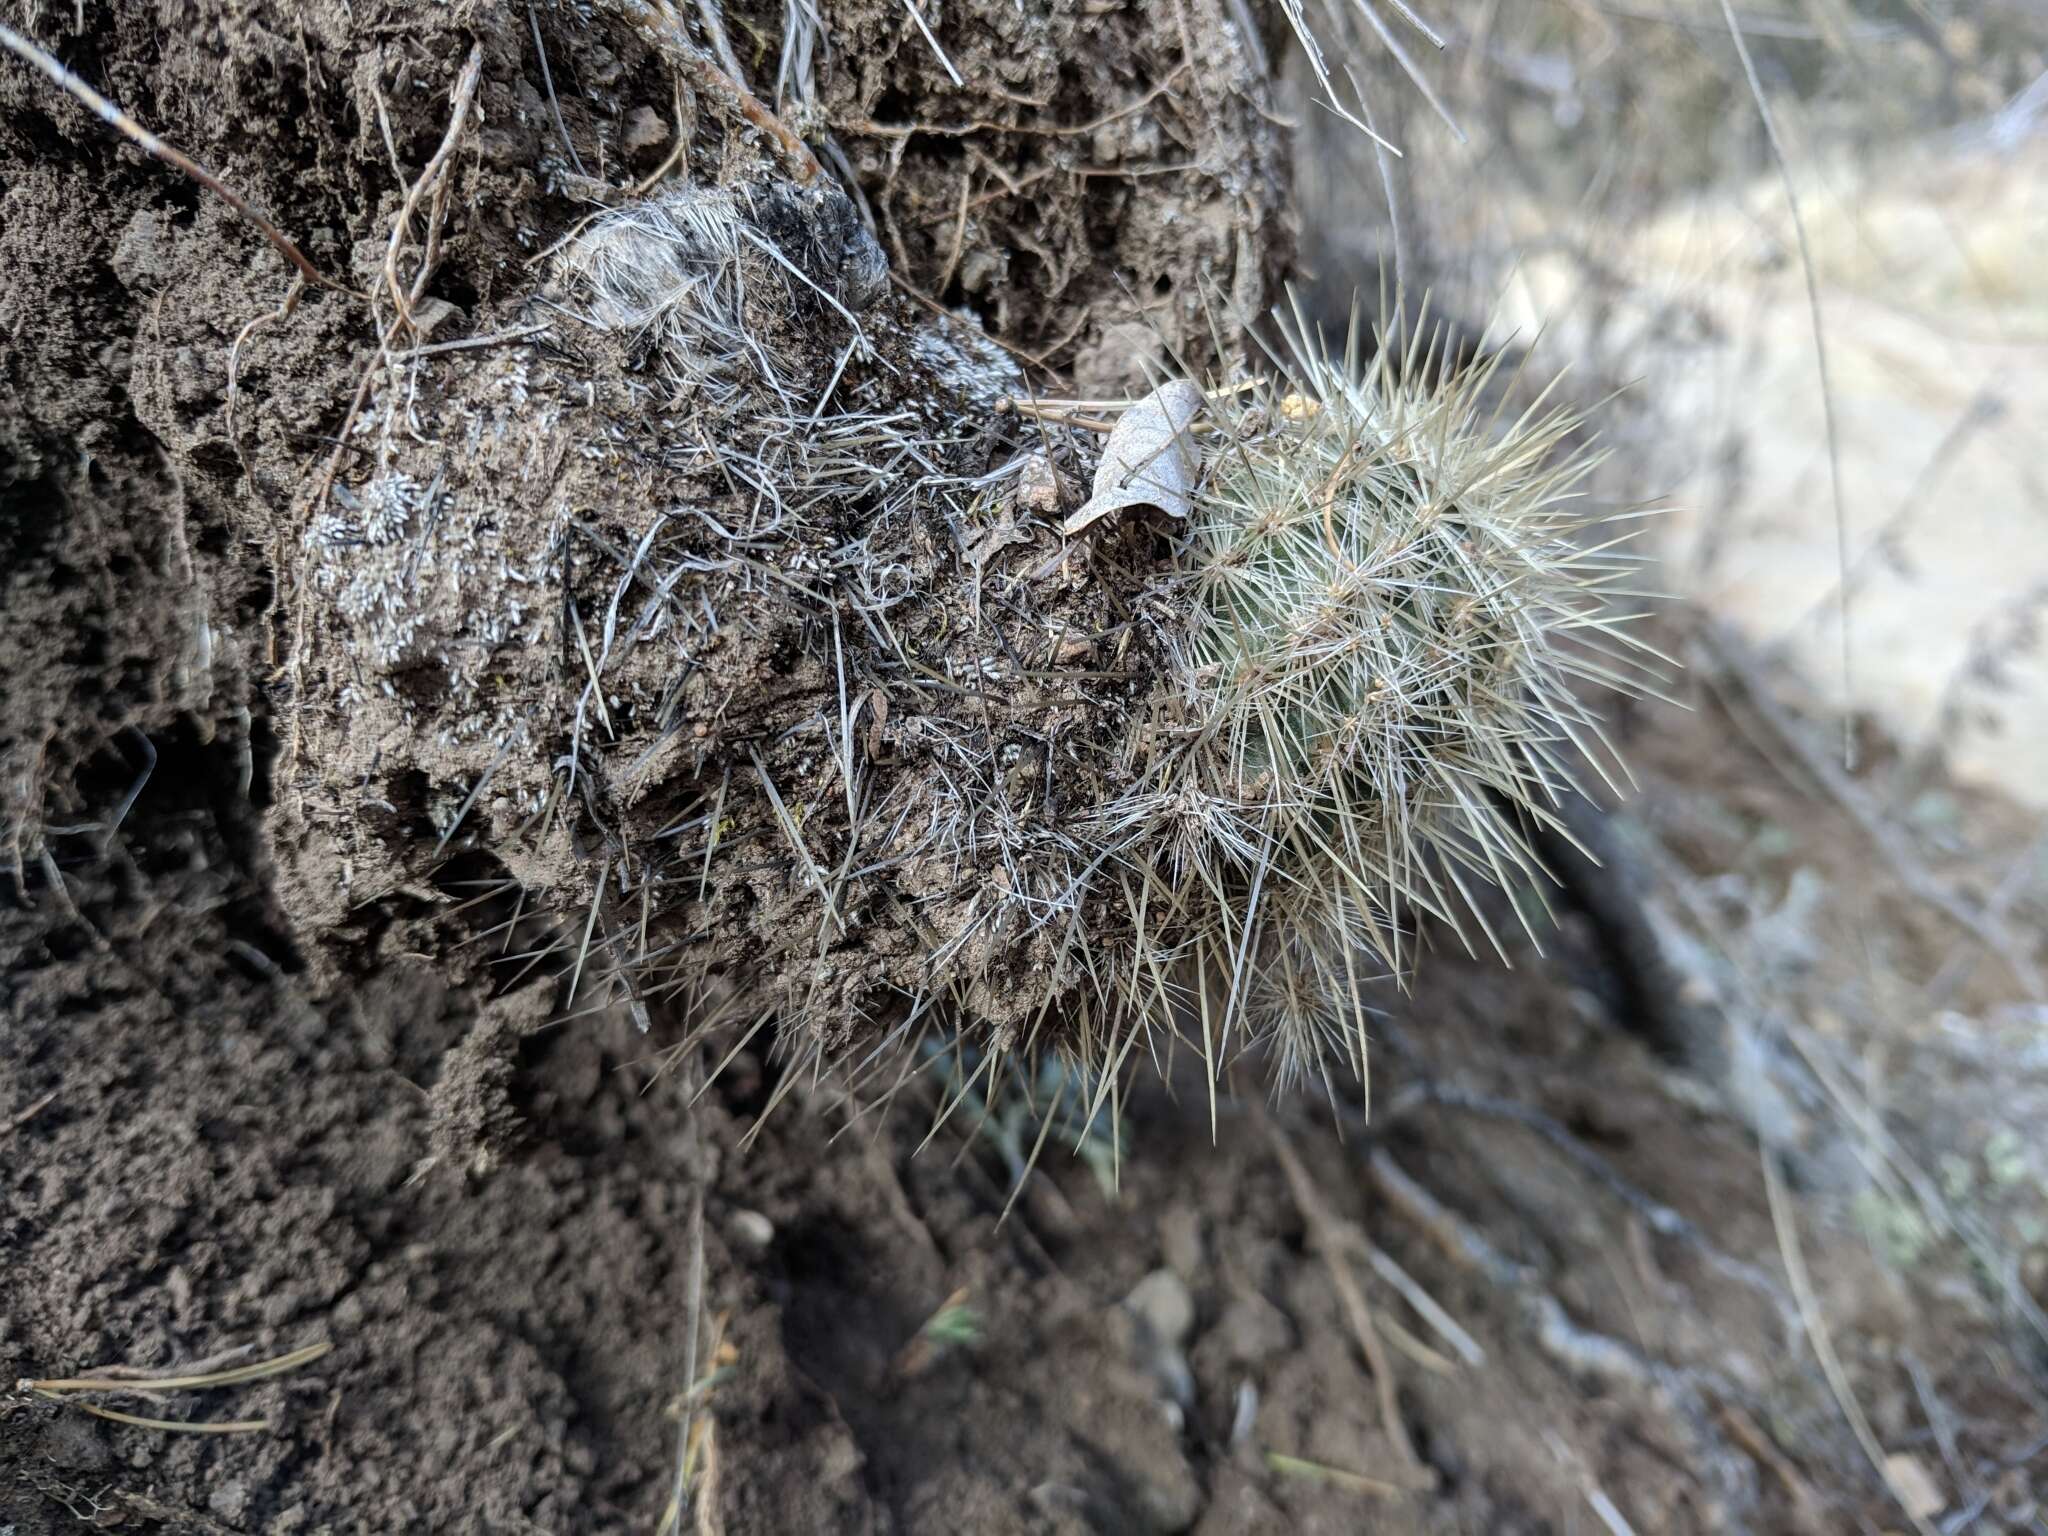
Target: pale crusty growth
[670, 272]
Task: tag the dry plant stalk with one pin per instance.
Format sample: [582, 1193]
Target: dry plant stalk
[153, 1384]
[1326, 1233]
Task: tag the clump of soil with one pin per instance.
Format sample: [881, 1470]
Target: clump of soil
[670, 613]
[439, 539]
[245, 1114]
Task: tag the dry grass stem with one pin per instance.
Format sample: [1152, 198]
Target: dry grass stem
[130, 1379]
[1327, 1236]
[1336, 1477]
[1822, 1340]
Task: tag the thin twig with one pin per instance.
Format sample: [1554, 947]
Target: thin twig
[658, 22]
[1426, 1306]
[465, 93]
[1338, 1477]
[932, 42]
[1827, 392]
[150, 144]
[1806, 1508]
[470, 343]
[176, 1426]
[32, 1111]
[693, 1084]
[1984, 408]
[1823, 1342]
[205, 1381]
[547, 79]
[679, 1490]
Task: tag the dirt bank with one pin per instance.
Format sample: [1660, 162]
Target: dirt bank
[227, 1133]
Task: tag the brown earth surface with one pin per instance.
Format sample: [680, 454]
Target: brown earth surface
[222, 1137]
[202, 1154]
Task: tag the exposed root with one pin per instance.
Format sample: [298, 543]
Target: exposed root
[403, 297]
[1655, 1215]
[1597, 1357]
[657, 21]
[277, 316]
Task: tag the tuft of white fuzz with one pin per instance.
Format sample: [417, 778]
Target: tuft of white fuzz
[668, 272]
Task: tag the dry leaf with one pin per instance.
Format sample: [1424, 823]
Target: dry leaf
[1151, 459]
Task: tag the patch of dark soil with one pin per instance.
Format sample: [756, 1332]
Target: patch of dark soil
[1107, 173]
[491, 1221]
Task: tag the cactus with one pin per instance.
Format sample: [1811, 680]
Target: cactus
[1385, 602]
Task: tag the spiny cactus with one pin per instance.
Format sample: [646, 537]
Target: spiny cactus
[1385, 602]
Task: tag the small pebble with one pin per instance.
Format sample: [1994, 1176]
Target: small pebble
[751, 1230]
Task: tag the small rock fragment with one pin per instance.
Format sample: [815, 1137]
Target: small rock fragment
[1918, 1493]
[1252, 1330]
[1038, 486]
[1162, 1314]
[1119, 361]
[750, 1230]
[1161, 1300]
[1180, 1239]
[644, 130]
